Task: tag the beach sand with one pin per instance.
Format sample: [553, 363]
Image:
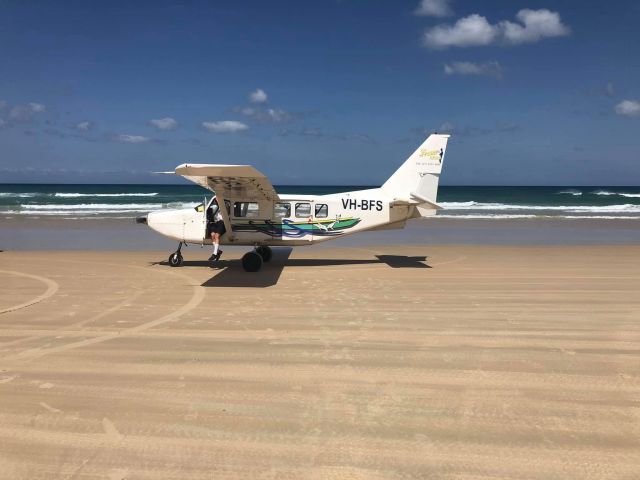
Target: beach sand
[476, 362]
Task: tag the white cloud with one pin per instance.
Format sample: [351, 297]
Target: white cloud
[536, 25]
[37, 107]
[259, 96]
[166, 123]
[433, 8]
[266, 115]
[628, 108]
[225, 126]
[609, 90]
[24, 113]
[84, 126]
[446, 127]
[475, 30]
[489, 69]
[470, 31]
[277, 115]
[124, 138]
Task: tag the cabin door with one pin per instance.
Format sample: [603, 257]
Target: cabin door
[319, 215]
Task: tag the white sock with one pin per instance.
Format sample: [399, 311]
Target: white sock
[215, 248]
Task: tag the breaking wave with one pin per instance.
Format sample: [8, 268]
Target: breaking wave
[627, 207]
[78, 195]
[570, 192]
[17, 195]
[620, 194]
[96, 206]
[498, 216]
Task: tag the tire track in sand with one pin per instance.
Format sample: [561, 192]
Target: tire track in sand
[195, 300]
[50, 333]
[52, 288]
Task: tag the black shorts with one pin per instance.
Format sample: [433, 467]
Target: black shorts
[217, 227]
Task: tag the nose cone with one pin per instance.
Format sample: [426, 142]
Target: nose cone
[169, 223]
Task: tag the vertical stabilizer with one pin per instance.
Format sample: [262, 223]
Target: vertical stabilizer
[418, 177]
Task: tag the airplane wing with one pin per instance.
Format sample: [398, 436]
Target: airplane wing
[230, 181]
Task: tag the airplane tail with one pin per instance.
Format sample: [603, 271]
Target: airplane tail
[416, 181]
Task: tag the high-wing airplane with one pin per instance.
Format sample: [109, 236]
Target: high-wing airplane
[256, 215]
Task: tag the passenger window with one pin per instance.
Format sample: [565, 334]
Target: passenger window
[303, 210]
[246, 209]
[282, 210]
[322, 210]
[199, 208]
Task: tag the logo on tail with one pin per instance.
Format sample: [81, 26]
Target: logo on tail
[432, 154]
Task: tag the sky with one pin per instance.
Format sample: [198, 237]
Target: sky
[321, 92]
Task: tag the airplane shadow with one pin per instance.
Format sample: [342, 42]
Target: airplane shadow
[233, 275]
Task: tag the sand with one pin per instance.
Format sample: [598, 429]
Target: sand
[477, 362]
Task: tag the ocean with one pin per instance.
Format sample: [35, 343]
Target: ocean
[78, 202]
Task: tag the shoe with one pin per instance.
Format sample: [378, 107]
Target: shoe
[218, 255]
[212, 257]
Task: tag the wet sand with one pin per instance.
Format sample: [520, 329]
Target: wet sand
[475, 362]
[55, 233]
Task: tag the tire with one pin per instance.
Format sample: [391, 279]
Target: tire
[175, 259]
[251, 262]
[265, 253]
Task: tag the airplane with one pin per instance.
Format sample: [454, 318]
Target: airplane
[256, 215]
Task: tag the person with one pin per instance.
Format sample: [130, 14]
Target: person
[216, 229]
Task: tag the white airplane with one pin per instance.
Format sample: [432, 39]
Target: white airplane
[255, 215]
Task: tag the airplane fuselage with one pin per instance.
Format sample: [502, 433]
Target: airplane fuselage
[293, 220]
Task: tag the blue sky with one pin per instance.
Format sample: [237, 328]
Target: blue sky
[324, 92]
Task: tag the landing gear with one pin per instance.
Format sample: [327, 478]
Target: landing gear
[252, 261]
[175, 259]
[265, 253]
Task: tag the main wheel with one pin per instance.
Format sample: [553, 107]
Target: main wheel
[251, 262]
[175, 259]
[265, 253]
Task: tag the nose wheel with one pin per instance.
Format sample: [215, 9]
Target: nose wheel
[175, 259]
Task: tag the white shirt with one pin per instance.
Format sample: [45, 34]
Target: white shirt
[217, 217]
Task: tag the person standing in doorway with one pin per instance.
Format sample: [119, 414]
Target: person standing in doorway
[216, 228]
